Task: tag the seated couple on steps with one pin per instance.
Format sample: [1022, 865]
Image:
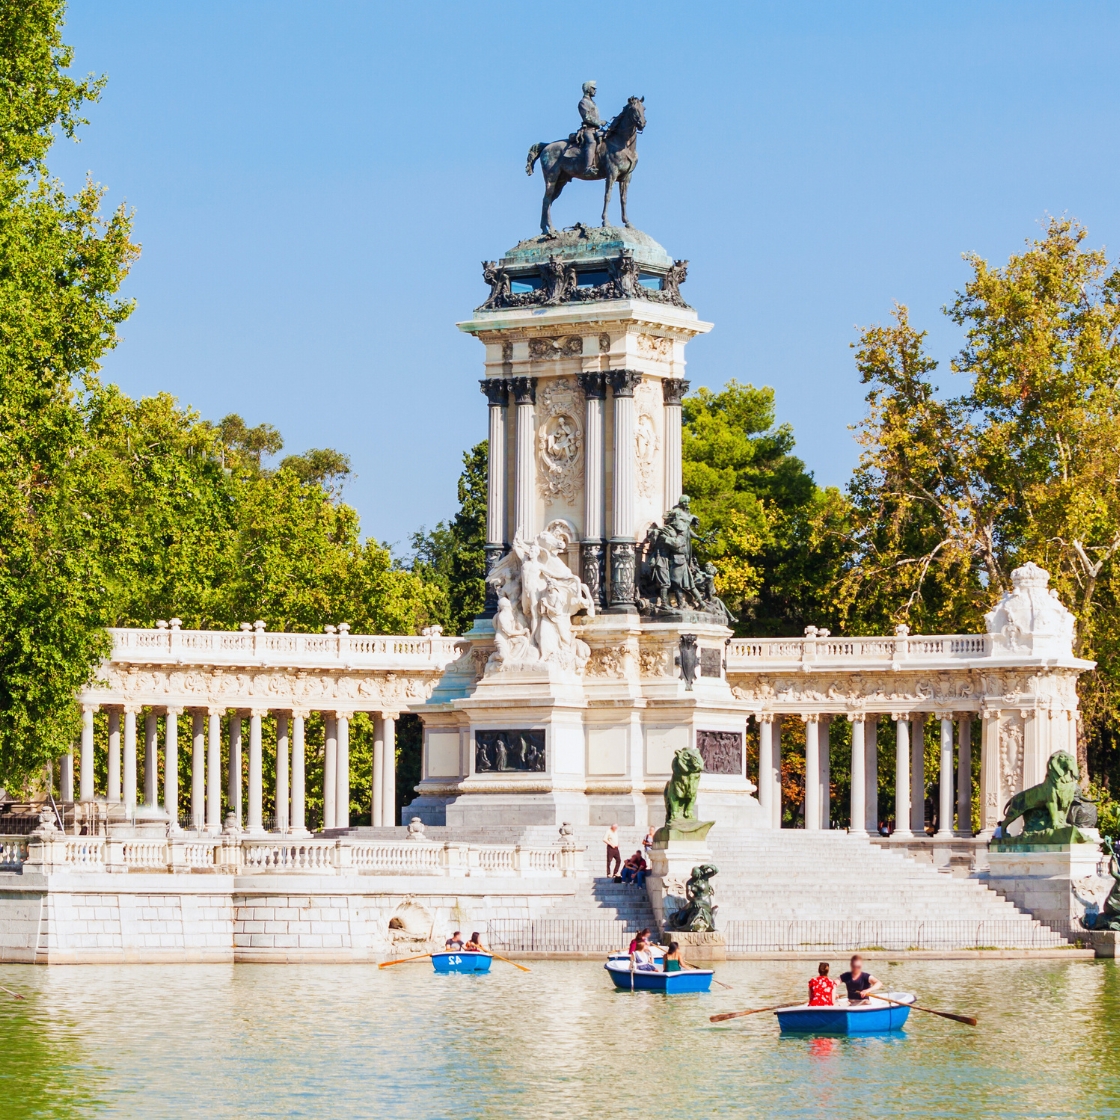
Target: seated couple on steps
[860, 984]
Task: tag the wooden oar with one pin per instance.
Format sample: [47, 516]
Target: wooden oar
[14, 995]
[966, 1019]
[740, 1014]
[405, 960]
[508, 961]
[697, 968]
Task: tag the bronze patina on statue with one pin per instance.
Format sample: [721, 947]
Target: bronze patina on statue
[595, 151]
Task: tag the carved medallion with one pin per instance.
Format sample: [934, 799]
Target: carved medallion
[559, 440]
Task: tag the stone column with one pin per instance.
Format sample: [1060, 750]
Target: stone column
[672, 389]
[623, 493]
[86, 776]
[233, 790]
[824, 756]
[171, 767]
[964, 776]
[299, 781]
[593, 549]
[859, 774]
[214, 772]
[945, 780]
[198, 769]
[342, 772]
[389, 778]
[766, 768]
[130, 758]
[524, 498]
[282, 772]
[378, 777]
[113, 790]
[255, 821]
[918, 775]
[330, 769]
[776, 746]
[497, 395]
[66, 777]
[812, 774]
[871, 772]
[902, 778]
[151, 746]
[990, 806]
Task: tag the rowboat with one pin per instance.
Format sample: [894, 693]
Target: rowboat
[461, 962]
[873, 1016]
[671, 983]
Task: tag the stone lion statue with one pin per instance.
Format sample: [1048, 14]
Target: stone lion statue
[682, 788]
[1046, 805]
[699, 916]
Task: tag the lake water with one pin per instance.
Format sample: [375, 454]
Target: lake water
[352, 1041]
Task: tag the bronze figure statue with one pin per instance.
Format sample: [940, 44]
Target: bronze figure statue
[595, 151]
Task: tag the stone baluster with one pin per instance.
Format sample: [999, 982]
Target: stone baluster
[918, 774]
[299, 821]
[342, 771]
[66, 776]
[497, 394]
[524, 497]
[151, 748]
[812, 773]
[902, 777]
[859, 777]
[989, 773]
[113, 778]
[871, 772]
[766, 768]
[824, 759]
[672, 389]
[282, 772]
[776, 757]
[377, 798]
[85, 778]
[389, 778]
[945, 780]
[130, 757]
[233, 784]
[964, 776]
[330, 770]
[214, 772]
[593, 546]
[198, 769]
[171, 766]
[254, 824]
[623, 492]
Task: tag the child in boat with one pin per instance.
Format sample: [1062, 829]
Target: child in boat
[474, 945]
[671, 961]
[821, 987]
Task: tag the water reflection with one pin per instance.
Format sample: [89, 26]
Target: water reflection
[350, 1041]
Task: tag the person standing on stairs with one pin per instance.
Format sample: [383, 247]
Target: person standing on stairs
[614, 856]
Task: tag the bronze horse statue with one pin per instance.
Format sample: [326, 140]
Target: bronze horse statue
[617, 158]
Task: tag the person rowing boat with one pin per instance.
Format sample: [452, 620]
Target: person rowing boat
[860, 984]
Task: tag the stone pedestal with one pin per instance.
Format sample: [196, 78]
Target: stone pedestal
[698, 946]
[1055, 883]
[678, 847]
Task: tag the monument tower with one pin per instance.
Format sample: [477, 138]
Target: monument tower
[600, 651]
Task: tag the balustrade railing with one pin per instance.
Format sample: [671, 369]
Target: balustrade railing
[750, 653]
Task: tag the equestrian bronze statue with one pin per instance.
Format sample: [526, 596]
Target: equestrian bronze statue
[596, 151]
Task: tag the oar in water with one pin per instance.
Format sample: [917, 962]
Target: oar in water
[697, 968]
[405, 960]
[14, 995]
[966, 1019]
[508, 961]
[740, 1014]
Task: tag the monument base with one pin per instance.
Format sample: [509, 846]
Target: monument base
[672, 859]
[1047, 840]
[698, 946]
[1056, 884]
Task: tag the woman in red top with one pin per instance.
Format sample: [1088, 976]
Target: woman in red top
[821, 987]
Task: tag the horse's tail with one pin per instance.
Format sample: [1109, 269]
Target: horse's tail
[534, 155]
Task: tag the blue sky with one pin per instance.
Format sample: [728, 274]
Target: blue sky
[315, 184]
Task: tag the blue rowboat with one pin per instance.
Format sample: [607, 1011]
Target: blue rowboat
[875, 1018]
[671, 983]
[461, 962]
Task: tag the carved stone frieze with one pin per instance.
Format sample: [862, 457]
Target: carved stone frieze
[654, 662]
[545, 348]
[654, 346]
[609, 661]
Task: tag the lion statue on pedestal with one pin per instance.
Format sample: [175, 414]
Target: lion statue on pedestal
[1046, 805]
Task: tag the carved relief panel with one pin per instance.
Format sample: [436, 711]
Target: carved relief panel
[559, 440]
[722, 751]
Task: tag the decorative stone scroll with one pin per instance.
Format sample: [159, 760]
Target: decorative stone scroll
[722, 751]
[499, 752]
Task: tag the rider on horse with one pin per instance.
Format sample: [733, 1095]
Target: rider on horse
[587, 138]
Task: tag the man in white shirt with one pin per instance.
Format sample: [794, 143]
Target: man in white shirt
[614, 856]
